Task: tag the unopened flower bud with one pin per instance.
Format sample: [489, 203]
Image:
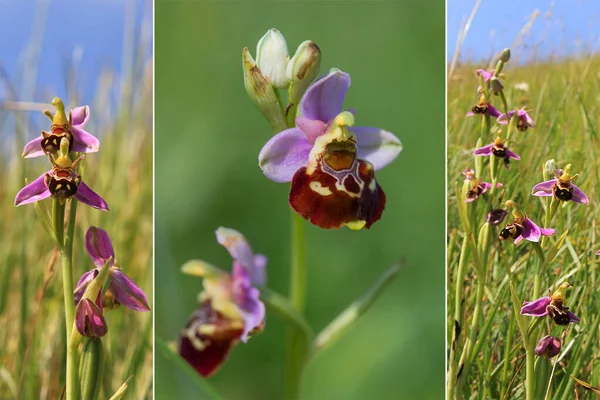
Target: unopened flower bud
[548, 347]
[91, 368]
[496, 85]
[89, 320]
[261, 92]
[302, 69]
[505, 56]
[272, 58]
[549, 168]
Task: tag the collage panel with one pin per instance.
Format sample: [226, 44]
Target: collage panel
[350, 314]
[76, 223]
[522, 313]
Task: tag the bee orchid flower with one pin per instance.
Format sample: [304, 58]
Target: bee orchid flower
[230, 309]
[330, 161]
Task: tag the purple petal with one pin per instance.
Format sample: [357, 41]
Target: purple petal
[485, 186]
[483, 151]
[323, 100]
[376, 146]
[511, 154]
[547, 231]
[35, 191]
[80, 115]
[536, 308]
[247, 298]
[470, 113]
[572, 317]
[598, 253]
[311, 128]
[89, 197]
[83, 283]
[33, 148]
[531, 231]
[502, 119]
[492, 111]
[579, 196]
[284, 154]
[543, 188]
[89, 320]
[486, 75]
[126, 291]
[258, 275]
[99, 246]
[522, 114]
[237, 246]
[84, 142]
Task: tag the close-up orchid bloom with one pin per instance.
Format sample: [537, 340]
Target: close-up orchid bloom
[478, 187]
[230, 309]
[63, 126]
[330, 161]
[120, 288]
[524, 121]
[522, 227]
[61, 182]
[561, 187]
[497, 149]
[553, 305]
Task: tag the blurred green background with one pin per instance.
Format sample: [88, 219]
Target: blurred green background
[208, 135]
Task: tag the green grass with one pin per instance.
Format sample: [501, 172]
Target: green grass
[563, 101]
[32, 356]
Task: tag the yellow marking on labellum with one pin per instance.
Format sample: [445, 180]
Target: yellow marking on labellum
[58, 186]
[68, 185]
[356, 225]
[207, 329]
[372, 185]
[336, 136]
[320, 189]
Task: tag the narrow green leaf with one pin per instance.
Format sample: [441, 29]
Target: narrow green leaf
[283, 307]
[45, 217]
[342, 323]
[586, 385]
[520, 319]
[121, 392]
[553, 251]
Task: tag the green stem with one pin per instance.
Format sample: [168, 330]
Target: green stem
[473, 331]
[530, 374]
[296, 346]
[458, 315]
[537, 282]
[66, 252]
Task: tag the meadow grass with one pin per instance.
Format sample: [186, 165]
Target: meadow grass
[32, 357]
[563, 99]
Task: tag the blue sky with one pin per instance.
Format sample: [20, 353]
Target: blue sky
[571, 28]
[49, 34]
